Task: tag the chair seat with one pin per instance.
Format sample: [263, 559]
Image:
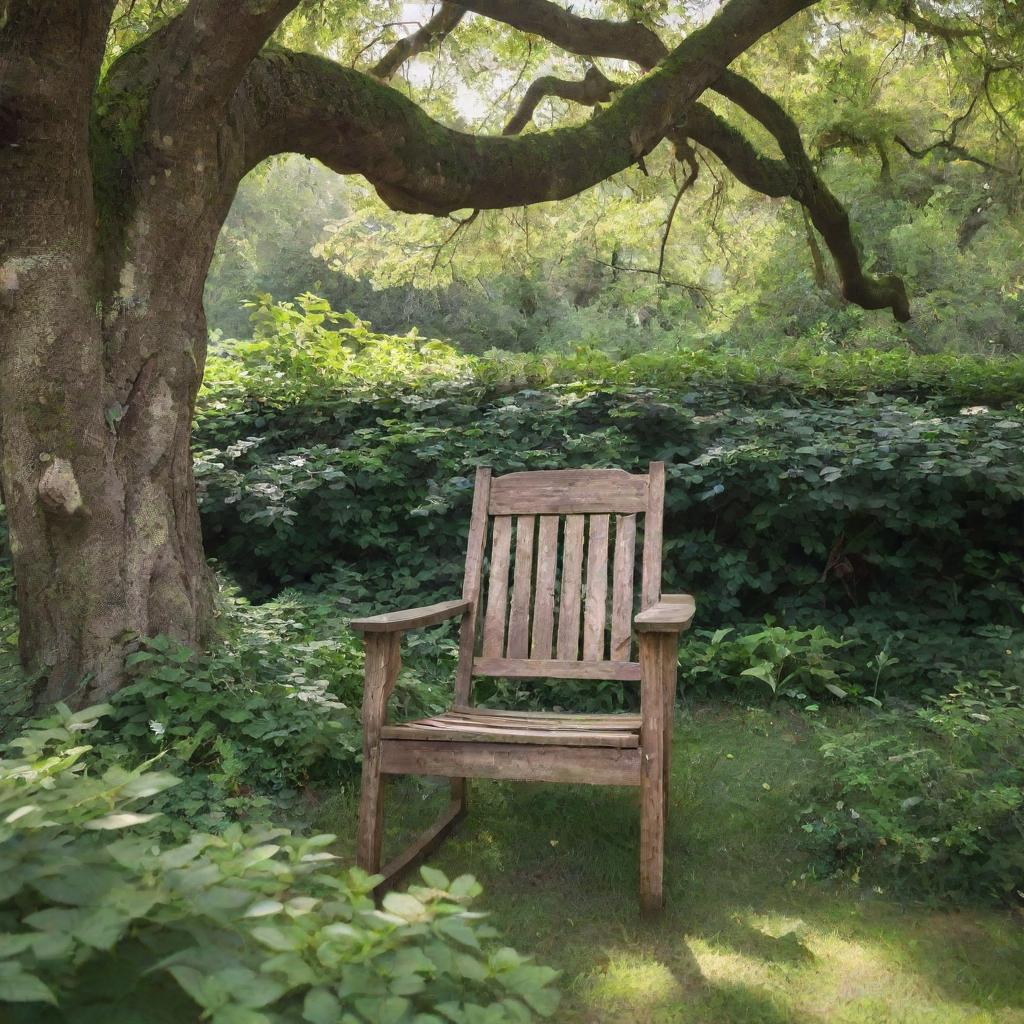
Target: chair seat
[486, 725]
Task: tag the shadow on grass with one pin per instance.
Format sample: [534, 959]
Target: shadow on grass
[745, 935]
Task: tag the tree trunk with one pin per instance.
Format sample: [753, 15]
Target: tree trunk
[101, 356]
[97, 470]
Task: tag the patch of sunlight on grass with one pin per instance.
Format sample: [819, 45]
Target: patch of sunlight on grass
[630, 981]
[719, 963]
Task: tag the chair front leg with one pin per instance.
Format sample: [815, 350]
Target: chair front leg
[383, 661]
[657, 669]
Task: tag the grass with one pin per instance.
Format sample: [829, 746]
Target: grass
[747, 936]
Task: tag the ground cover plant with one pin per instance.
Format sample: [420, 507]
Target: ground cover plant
[847, 527]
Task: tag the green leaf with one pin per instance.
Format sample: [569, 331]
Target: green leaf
[123, 819]
[18, 986]
[277, 939]
[434, 878]
[321, 1007]
[401, 904]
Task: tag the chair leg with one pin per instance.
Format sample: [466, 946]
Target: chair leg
[383, 661]
[371, 814]
[652, 832]
[459, 789]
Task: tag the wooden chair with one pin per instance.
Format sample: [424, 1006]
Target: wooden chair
[549, 513]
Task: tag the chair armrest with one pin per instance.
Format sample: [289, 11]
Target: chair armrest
[411, 618]
[672, 614]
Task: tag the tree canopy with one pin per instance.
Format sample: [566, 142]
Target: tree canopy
[126, 127]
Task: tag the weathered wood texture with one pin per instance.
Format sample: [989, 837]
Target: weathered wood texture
[651, 582]
[410, 618]
[383, 661]
[497, 588]
[622, 587]
[596, 603]
[606, 731]
[555, 668]
[471, 585]
[667, 616]
[522, 763]
[657, 664]
[570, 590]
[568, 491]
[560, 541]
[522, 588]
[544, 600]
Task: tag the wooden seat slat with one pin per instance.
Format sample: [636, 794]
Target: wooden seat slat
[449, 730]
[517, 719]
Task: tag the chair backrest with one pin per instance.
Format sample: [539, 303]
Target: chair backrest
[551, 607]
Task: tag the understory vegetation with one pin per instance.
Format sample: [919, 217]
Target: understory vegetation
[849, 525]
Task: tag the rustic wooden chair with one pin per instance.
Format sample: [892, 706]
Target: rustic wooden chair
[525, 639]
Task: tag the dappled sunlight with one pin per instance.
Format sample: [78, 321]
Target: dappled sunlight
[719, 962]
[631, 981]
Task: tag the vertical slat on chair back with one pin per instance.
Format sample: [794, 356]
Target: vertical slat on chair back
[560, 578]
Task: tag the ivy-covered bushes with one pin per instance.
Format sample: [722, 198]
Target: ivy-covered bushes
[345, 459]
[103, 915]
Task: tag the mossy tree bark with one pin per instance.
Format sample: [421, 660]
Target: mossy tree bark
[113, 189]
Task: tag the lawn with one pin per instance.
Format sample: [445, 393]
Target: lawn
[748, 935]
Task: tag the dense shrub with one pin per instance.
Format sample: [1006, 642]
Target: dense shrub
[345, 459]
[262, 721]
[102, 916]
[931, 799]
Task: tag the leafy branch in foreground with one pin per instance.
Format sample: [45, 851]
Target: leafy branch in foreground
[98, 910]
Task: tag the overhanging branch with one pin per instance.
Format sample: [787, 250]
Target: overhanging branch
[594, 88]
[794, 176]
[430, 34]
[355, 124]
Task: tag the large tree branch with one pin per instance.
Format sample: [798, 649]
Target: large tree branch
[827, 214]
[430, 34]
[936, 25]
[634, 42]
[954, 150]
[588, 37]
[204, 52]
[594, 88]
[354, 124]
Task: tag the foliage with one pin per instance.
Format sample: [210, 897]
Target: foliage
[936, 803]
[358, 364]
[737, 268]
[787, 661]
[98, 913]
[259, 724]
[885, 520]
